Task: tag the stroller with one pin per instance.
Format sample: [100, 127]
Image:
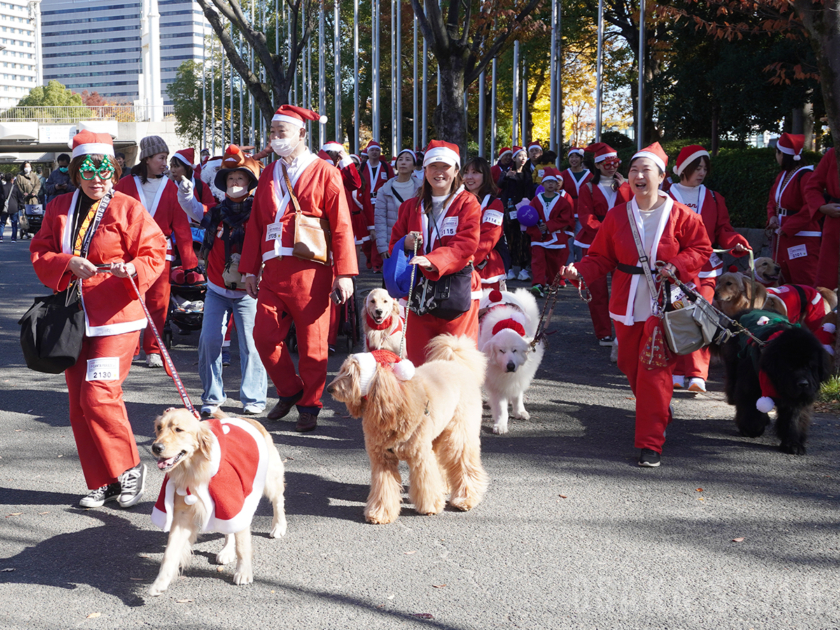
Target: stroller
[186, 302]
[30, 220]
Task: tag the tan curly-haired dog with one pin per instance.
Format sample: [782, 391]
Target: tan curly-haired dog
[432, 422]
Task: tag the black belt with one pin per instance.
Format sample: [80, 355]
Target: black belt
[630, 269]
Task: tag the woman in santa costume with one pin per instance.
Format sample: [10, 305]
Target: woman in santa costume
[489, 262]
[606, 190]
[675, 241]
[159, 195]
[293, 289]
[502, 165]
[121, 240]
[691, 169]
[448, 218]
[548, 236]
[192, 192]
[822, 193]
[573, 178]
[797, 234]
[375, 174]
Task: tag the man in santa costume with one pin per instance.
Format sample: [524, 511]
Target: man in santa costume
[573, 178]
[824, 183]
[374, 174]
[548, 237]
[535, 152]
[292, 289]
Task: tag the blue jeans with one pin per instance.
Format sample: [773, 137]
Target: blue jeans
[14, 219]
[252, 390]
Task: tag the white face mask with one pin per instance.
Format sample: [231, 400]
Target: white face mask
[284, 147]
[236, 191]
[27, 170]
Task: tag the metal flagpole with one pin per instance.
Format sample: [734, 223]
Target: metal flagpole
[482, 114]
[230, 141]
[515, 108]
[339, 137]
[523, 128]
[251, 138]
[641, 109]
[493, 112]
[241, 102]
[558, 108]
[375, 62]
[552, 73]
[322, 88]
[355, 143]
[425, 131]
[213, 93]
[309, 92]
[222, 98]
[599, 66]
[415, 123]
[294, 89]
[203, 86]
[398, 65]
[393, 82]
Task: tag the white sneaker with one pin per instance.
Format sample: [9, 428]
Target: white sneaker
[524, 276]
[696, 385]
[209, 410]
[510, 275]
[253, 409]
[679, 381]
[154, 361]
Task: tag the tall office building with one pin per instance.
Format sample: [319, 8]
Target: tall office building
[18, 50]
[96, 45]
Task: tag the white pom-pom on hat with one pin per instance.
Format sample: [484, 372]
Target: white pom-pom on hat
[404, 370]
[190, 499]
[323, 120]
[765, 404]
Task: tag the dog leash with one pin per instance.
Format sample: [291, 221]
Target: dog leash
[548, 308]
[408, 303]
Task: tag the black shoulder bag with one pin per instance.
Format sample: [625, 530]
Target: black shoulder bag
[52, 330]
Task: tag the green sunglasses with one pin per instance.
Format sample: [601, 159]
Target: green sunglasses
[88, 169]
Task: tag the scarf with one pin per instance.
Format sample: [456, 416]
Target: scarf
[232, 216]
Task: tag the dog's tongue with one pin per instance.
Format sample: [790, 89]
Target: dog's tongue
[163, 464]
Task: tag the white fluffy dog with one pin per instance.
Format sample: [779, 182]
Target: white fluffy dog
[507, 325]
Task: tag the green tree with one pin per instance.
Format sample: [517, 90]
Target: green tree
[54, 102]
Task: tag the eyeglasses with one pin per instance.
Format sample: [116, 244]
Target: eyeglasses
[88, 169]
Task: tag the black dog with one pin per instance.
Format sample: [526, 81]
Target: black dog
[795, 363]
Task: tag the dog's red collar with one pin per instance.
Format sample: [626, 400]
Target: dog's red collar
[385, 325]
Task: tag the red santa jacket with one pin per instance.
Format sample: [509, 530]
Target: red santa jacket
[238, 467]
[271, 228]
[823, 180]
[787, 202]
[167, 213]
[573, 186]
[681, 240]
[593, 207]
[802, 304]
[126, 233]
[557, 215]
[459, 230]
[375, 178]
[712, 209]
[489, 263]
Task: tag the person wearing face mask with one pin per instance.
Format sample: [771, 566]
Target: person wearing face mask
[28, 183]
[448, 219]
[225, 225]
[606, 190]
[59, 182]
[674, 239]
[159, 195]
[291, 289]
[692, 167]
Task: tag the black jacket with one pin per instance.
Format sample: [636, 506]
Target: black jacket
[15, 201]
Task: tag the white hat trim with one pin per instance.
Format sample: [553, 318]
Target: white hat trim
[576, 152]
[678, 169]
[656, 159]
[289, 119]
[183, 159]
[549, 178]
[332, 146]
[442, 154]
[520, 150]
[787, 151]
[367, 368]
[606, 156]
[504, 153]
[413, 154]
[93, 148]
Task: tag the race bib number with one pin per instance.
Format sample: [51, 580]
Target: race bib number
[492, 216]
[273, 231]
[103, 369]
[512, 215]
[383, 176]
[799, 251]
[715, 260]
[450, 226]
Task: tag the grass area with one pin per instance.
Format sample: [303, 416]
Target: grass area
[829, 399]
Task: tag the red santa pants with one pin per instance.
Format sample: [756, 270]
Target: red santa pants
[652, 388]
[829, 254]
[599, 308]
[421, 330]
[294, 290]
[801, 270]
[545, 263]
[104, 438]
[157, 301]
[696, 364]
[372, 255]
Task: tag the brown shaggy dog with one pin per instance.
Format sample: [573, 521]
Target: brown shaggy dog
[184, 448]
[767, 272]
[733, 292]
[383, 310]
[432, 422]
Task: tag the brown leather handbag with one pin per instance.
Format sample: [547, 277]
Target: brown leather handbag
[312, 235]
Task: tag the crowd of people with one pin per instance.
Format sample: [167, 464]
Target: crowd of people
[282, 243]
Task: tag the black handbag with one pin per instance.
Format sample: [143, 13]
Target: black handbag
[447, 298]
[52, 331]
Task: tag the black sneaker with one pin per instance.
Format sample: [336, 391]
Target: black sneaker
[133, 482]
[649, 458]
[100, 496]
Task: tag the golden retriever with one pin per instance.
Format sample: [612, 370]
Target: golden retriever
[188, 451]
[383, 324]
[432, 422]
[767, 272]
[733, 293]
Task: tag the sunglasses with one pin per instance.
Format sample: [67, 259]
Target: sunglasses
[88, 169]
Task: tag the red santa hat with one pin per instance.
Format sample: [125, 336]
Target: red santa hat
[517, 150]
[687, 156]
[575, 151]
[791, 144]
[187, 156]
[504, 151]
[442, 151]
[766, 403]
[403, 368]
[333, 145]
[89, 143]
[535, 145]
[497, 298]
[373, 144]
[296, 115]
[551, 174]
[602, 152]
[324, 156]
[656, 153]
[355, 158]
[511, 324]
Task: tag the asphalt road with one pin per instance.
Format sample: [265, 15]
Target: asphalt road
[572, 534]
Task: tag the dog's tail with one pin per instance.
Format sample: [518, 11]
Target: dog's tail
[459, 349]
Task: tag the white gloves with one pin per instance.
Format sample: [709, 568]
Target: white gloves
[185, 189]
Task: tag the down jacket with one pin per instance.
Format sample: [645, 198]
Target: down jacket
[386, 212]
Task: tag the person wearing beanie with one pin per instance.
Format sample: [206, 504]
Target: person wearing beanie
[573, 178]
[492, 247]
[796, 232]
[822, 193]
[288, 288]
[225, 226]
[598, 196]
[672, 234]
[692, 167]
[548, 236]
[159, 195]
[375, 174]
[100, 238]
[447, 219]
